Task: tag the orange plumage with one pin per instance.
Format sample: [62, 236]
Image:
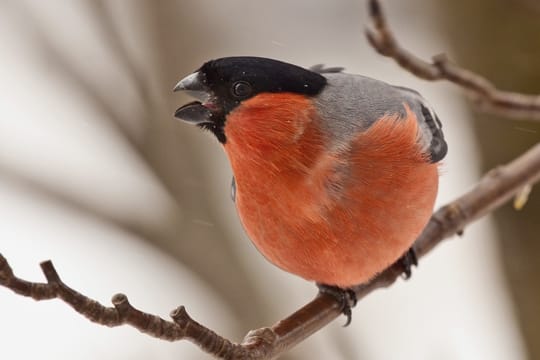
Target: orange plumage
[334, 215]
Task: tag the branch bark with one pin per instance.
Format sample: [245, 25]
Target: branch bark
[484, 94]
[494, 189]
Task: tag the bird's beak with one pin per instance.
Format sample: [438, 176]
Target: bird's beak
[192, 82]
[196, 112]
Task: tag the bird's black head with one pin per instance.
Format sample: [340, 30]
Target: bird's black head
[223, 84]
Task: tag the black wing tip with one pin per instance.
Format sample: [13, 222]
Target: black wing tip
[438, 149]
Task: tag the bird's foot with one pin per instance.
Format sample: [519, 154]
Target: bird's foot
[345, 297]
[407, 261]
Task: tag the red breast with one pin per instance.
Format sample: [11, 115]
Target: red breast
[333, 215]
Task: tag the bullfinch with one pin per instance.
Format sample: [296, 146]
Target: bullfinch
[335, 175]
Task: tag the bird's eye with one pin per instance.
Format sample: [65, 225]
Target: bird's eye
[241, 89]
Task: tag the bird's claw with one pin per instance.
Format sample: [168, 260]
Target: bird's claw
[407, 261]
[345, 297]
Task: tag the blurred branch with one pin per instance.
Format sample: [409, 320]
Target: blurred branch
[58, 61]
[493, 190]
[485, 95]
[118, 47]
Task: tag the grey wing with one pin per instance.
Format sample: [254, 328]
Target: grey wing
[355, 102]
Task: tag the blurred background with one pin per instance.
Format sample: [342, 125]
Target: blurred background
[96, 175]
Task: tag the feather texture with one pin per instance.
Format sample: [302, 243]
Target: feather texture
[332, 214]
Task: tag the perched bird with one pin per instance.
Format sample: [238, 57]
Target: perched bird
[335, 175]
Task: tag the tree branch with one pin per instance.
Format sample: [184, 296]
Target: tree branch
[493, 190]
[182, 326]
[484, 94]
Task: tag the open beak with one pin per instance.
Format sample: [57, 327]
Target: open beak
[195, 112]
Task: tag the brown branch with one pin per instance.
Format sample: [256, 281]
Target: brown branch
[493, 190]
[182, 326]
[485, 95]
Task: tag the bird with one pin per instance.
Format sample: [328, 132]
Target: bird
[334, 174]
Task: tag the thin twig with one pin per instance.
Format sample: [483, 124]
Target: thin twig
[493, 190]
[485, 95]
[182, 326]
